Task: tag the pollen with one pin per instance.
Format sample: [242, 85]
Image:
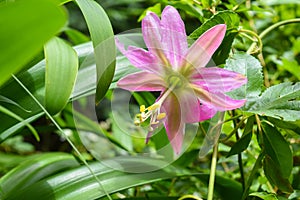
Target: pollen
[142, 108]
[153, 107]
[161, 116]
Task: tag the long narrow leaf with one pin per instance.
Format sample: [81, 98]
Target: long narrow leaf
[34, 170]
[78, 183]
[61, 72]
[103, 41]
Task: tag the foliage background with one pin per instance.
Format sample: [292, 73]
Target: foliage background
[263, 154]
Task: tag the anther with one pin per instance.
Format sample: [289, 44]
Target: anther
[142, 108]
[153, 107]
[161, 116]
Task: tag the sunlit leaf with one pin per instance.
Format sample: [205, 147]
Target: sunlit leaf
[61, 72]
[24, 34]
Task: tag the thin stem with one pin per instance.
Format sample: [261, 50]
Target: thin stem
[274, 26]
[258, 39]
[66, 137]
[212, 173]
[252, 175]
[236, 127]
[240, 159]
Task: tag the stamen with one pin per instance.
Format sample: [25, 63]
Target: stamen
[153, 111]
[142, 108]
[153, 107]
[161, 116]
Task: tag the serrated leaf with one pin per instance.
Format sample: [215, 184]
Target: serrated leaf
[274, 175]
[279, 101]
[245, 140]
[232, 20]
[250, 67]
[277, 148]
[104, 44]
[60, 75]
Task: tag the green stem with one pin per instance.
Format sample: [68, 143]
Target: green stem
[212, 173]
[236, 127]
[269, 29]
[257, 165]
[240, 159]
[66, 137]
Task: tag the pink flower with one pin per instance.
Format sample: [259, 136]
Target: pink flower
[189, 92]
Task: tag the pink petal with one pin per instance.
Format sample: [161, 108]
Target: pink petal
[173, 35]
[189, 105]
[152, 33]
[140, 58]
[207, 111]
[218, 101]
[216, 79]
[204, 47]
[142, 81]
[174, 124]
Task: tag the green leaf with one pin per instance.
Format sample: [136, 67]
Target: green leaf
[156, 9]
[232, 21]
[264, 195]
[277, 148]
[225, 188]
[273, 173]
[294, 126]
[9, 101]
[78, 183]
[206, 3]
[21, 120]
[76, 36]
[28, 25]
[60, 75]
[279, 101]
[245, 140]
[291, 66]
[279, 2]
[104, 44]
[34, 79]
[252, 69]
[34, 170]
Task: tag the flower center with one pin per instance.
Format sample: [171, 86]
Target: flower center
[175, 82]
[153, 112]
